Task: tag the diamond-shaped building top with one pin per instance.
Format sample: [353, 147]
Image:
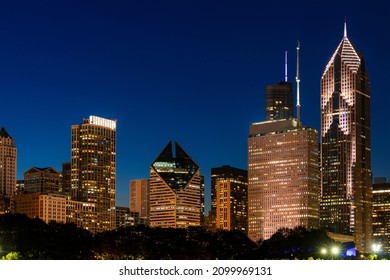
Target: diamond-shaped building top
[175, 189]
[176, 169]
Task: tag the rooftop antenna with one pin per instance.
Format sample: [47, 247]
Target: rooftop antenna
[285, 67]
[345, 27]
[298, 81]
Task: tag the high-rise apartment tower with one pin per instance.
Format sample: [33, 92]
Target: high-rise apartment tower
[93, 168]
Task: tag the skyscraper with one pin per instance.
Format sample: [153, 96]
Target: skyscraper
[229, 198]
[139, 198]
[175, 190]
[283, 179]
[346, 198]
[93, 169]
[283, 187]
[7, 170]
[279, 98]
[279, 101]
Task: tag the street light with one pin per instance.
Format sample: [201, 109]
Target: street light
[376, 248]
[335, 251]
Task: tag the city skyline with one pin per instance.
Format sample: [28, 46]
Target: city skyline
[145, 65]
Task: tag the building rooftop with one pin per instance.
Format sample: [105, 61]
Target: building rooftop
[4, 133]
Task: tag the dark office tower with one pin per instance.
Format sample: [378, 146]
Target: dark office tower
[279, 101]
[7, 170]
[45, 180]
[94, 169]
[346, 200]
[139, 198]
[66, 175]
[381, 215]
[229, 198]
[175, 190]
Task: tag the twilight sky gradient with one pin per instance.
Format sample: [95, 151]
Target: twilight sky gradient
[188, 71]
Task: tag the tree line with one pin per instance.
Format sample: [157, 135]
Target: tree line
[33, 239]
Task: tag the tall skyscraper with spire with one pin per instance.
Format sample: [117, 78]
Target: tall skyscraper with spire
[279, 99]
[283, 179]
[93, 170]
[346, 197]
[7, 169]
[175, 189]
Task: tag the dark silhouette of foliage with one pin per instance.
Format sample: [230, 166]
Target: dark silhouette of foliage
[297, 243]
[33, 239]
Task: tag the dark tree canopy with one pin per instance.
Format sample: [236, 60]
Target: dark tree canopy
[34, 239]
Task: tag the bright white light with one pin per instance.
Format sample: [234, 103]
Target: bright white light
[335, 250]
[102, 121]
[376, 247]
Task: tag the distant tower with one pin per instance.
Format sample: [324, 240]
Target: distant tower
[229, 199]
[283, 175]
[7, 170]
[175, 190]
[66, 176]
[346, 199]
[381, 214]
[140, 197]
[93, 168]
[279, 99]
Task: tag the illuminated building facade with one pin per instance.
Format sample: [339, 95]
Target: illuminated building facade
[229, 199]
[279, 101]
[283, 179]
[82, 214]
[381, 215]
[45, 206]
[126, 218]
[139, 197]
[7, 170]
[346, 196]
[93, 168]
[42, 180]
[175, 190]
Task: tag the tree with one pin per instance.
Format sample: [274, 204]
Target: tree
[11, 256]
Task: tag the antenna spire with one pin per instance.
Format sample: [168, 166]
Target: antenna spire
[298, 81]
[345, 28]
[285, 67]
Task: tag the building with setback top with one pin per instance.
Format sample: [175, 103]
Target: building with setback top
[346, 179]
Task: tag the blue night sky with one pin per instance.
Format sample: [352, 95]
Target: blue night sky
[187, 71]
